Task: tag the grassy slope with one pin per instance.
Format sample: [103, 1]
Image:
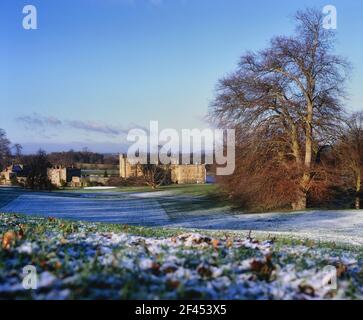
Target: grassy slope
[193, 189]
[42, 225]
[9, 194]
[203, 197]
[57, 253]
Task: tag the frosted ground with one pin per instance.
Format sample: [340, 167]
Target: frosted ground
[166, 209]
[231, 256]
[79, 260]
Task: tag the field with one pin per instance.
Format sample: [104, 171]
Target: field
[193, 189]
[182, 207]
[76, 260]
[174, 243]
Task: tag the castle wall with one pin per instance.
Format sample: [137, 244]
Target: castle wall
[59, 175]
[128, 170]
[56, 176]
[188, 173]
[122, 166]
[181, 174]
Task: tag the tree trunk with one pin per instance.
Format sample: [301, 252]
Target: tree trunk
[309, 138]
[357, 202]
[357, 197]
[295, 145]
[300, 203]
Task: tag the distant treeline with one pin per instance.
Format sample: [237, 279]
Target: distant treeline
[74, 158]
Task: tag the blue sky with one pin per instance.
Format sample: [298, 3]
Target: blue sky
[95, 68]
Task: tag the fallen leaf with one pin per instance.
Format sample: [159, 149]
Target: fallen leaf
[8, 240]
[341, 269]
[21, 232]
[169, 268]
[263, 268]
[307, 289]
[215, 243]
[229, 243]
[204, 271]
[155, 267]
[173, 284]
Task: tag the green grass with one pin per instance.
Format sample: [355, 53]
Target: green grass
[199, 199]
[178, 208]
[78, 265]
[162, 232]
[40, 225]
[192, 189]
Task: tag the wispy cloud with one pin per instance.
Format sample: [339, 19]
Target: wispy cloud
[103, 147]
[36, 120]
[92, 126]
[45, 124]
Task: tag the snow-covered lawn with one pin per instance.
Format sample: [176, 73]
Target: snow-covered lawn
[87, 260]
[90, 207]
[169, 210]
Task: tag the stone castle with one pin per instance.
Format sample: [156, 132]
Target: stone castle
[14, 173]
[179, 173]
[60, 176]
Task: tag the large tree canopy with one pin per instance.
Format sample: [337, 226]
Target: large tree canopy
[289, 96]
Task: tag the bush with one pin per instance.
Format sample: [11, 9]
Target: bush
[14, 181]
[130, 182]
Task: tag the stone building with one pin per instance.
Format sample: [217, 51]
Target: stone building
[77, 182]
[179, 173]
[188, 173]
[15, 172]
[60, 176]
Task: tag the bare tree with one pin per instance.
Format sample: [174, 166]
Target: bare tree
[17, 151]
[37, 166]
[4, 149]
[350, 153]
[154, 175]
[291, 92]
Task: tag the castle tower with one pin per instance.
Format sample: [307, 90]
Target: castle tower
[123, 164]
